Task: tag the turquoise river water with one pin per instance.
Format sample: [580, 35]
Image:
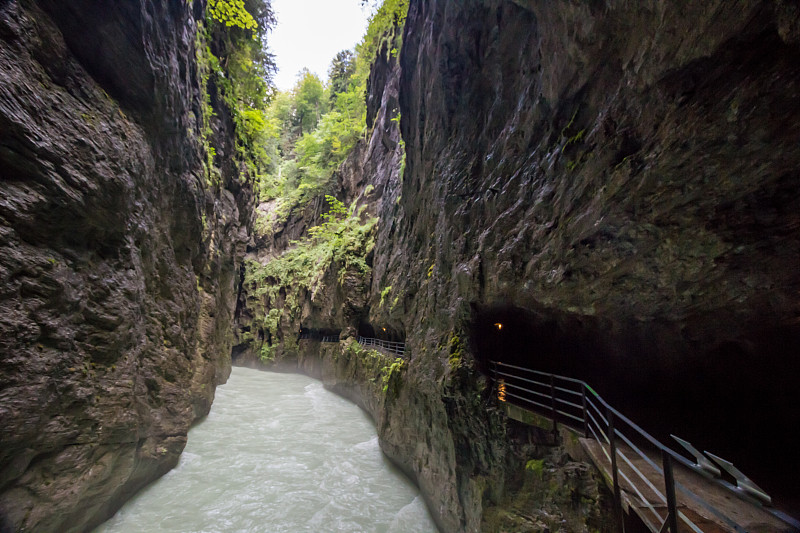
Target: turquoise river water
[278, 453]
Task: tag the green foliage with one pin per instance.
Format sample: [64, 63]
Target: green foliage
[402, 160]
[207, 65]
[384, 293]
[297, 142]
[332, 225]
[536, 466]
[266, 353]
[233, 61]
[308, 134]
[308, 101]
[385, 27]
[342, 69]
[456, 352]
[231, 13]
[342, 241]
[394, 369]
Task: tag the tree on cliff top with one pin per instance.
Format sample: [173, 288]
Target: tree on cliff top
[342, 69]
[239, 31]
[319, 138]
[308, 102]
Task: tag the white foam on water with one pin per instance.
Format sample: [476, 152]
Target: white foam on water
[278, 453]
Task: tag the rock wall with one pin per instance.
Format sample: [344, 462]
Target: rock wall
[118, 257]
[619, 181]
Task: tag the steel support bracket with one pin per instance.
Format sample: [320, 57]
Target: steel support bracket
[702, 462]
[743, 482]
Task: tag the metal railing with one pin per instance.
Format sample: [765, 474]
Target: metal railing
[629, 450]
[330, 338]
[396, 348]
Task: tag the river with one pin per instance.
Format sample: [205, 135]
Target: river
[278, 453]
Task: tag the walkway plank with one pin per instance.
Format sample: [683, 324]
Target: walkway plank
[751, 517]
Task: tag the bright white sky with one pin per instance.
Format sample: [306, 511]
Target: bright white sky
[309, 33]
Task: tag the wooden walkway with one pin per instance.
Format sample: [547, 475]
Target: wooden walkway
[643, 500]
[650, 477]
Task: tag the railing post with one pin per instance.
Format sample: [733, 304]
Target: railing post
[585, 412]
[553, 403]
[672, 504]
[614, 474]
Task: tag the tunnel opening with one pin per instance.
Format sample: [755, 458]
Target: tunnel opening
[728, 392]
[384, 332]
[237, 351]
[365, 329]
[316, 334]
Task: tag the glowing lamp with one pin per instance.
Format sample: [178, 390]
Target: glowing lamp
[501, 390]
[498, 325]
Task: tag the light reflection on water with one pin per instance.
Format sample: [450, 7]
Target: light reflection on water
[278, 453]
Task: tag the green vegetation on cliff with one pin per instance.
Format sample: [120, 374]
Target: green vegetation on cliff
[312, 128]
[339, 244]
[236, 68]
[342, 239]
[308, 133]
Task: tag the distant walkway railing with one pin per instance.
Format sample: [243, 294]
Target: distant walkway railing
[396, 348]
[574, 402]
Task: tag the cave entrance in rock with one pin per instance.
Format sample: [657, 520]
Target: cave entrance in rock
[554, 343]
[317, 333]
[365, 329]
[382, 332]
[732, 395]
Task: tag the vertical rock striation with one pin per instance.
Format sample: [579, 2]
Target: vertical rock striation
[117, 256]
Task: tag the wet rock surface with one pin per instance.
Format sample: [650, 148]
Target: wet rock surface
[623, 179]
[117, 259]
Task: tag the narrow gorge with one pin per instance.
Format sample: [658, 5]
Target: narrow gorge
[608, 191]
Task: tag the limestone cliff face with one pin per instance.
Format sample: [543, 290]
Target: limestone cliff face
[620, 184]
[117, 256]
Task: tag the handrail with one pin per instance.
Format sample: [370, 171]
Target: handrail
[396, 348]
[524, 384]
[330, 338]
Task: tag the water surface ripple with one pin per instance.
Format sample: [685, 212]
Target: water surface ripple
[278, 453]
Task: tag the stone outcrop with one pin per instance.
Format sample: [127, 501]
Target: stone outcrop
[118, 257]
